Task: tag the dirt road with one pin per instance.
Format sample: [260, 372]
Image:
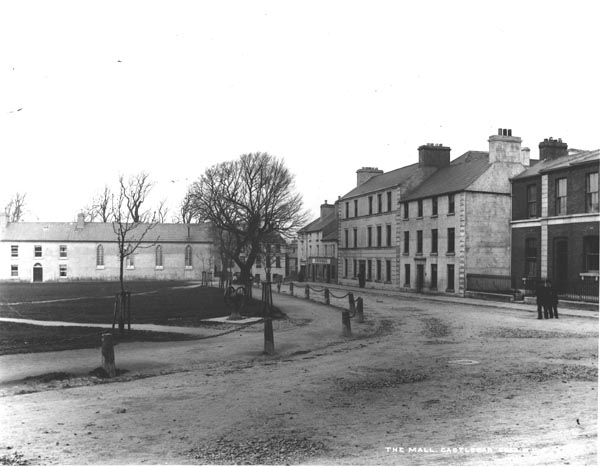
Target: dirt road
[419, 383]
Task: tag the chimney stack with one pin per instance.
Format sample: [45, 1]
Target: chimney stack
[434, 155]
[551, 149]
[327, 209]
[504, 147]
[365, 174]
[80, 221]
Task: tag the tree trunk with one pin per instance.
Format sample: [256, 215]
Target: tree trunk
[120, 301]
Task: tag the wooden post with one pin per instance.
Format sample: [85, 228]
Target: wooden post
[351, 302]
[269, 339]
[128, 311]
[291, 288]
[307, 292]
[327, 299]
[108, 355]
[346, 323]
[359, 310]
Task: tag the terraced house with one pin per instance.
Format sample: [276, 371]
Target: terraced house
[66, 251]
[555, 220]
[444, 219]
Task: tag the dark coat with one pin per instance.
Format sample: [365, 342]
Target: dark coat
[541, 295]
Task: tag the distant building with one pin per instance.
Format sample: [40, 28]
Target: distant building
[67, 251]
[426, 226]
[317, 247]
[555, 217]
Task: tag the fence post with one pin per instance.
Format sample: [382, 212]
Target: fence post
[359, 310]
[269, 340]
[346, 323]
[278, 286]
[351, 302]
[327, 300]
[291, 288]
[307, 292]
[108, 355]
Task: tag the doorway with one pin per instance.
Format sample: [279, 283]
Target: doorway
[38, 273]
[420, 277]
[561, 263]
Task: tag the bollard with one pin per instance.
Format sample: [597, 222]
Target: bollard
[307, 292]
[359, 310]
[108, 355]
[292, 289]
[351, 302]
[346, 323]
[327, 300]
[269, 340]
[279, 287]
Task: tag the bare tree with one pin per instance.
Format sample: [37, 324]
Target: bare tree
[101, 206]
[161, 213]
[134, 193]
[131, 235]
[250, 199]
[15, 208]
[187, 213]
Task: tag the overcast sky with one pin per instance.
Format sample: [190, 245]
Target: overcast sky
[89, 90]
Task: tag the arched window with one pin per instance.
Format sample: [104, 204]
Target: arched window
[159, 257]
[188, 256]
[99, 256]
[129, 263]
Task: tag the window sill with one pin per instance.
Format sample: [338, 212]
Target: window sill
[159, 268]
[451, 253]
[433, 253]
[189, 268]
[405, 253]
[434, 216]
[130, 268]
[450, 290]
[99, 267]
[451, 214]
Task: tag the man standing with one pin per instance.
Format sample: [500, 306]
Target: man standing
[540, 299]
[552, 301]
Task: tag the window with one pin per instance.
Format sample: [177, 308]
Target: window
[407, 275]
[277, 261]
[370, 205]
[37, 251]
[561, 196]
[389, 201]
[450, 278]
[369, 236]
[379, 203]
[591, 192]
[405, 206]
[451, 204]
[354, 270]
[531, 257]
[345, 267]
[188, 256]
[419, 242]
[388, 235]
[62, 251]
[355, 208]
[346, 242]
[434, 241]
[434, 206]
[378, 235]
[369, 269]
[14, 251]
[388, 270]
[434, 276]
[590, 254]
[451, 240]
[62, 270]
[531, 201]
[347, 209]
[378, 276]
[99, 256]
[406, 240]
[355, 238]
[420, 208]
[14, 270]
[129, 261]
[159, 257]
[258, 261]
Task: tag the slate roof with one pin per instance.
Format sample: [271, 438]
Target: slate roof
[547, 165]
[318, 224]
[101, 232]
[384, 181]
[330, 231]
[461, 173]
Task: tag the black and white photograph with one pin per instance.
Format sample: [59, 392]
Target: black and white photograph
[308, 232]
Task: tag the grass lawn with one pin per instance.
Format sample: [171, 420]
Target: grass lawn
[93, 302]
[25, 338]
[166, 303]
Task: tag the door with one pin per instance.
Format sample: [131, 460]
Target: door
[420, 277]
[38, 273]
[561, 263]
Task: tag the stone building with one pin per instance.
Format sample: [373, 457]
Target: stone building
[317, 247]
[68, 251]
[555, 218]
[424, 227]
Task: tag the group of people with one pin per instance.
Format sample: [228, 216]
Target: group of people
[547, 300]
